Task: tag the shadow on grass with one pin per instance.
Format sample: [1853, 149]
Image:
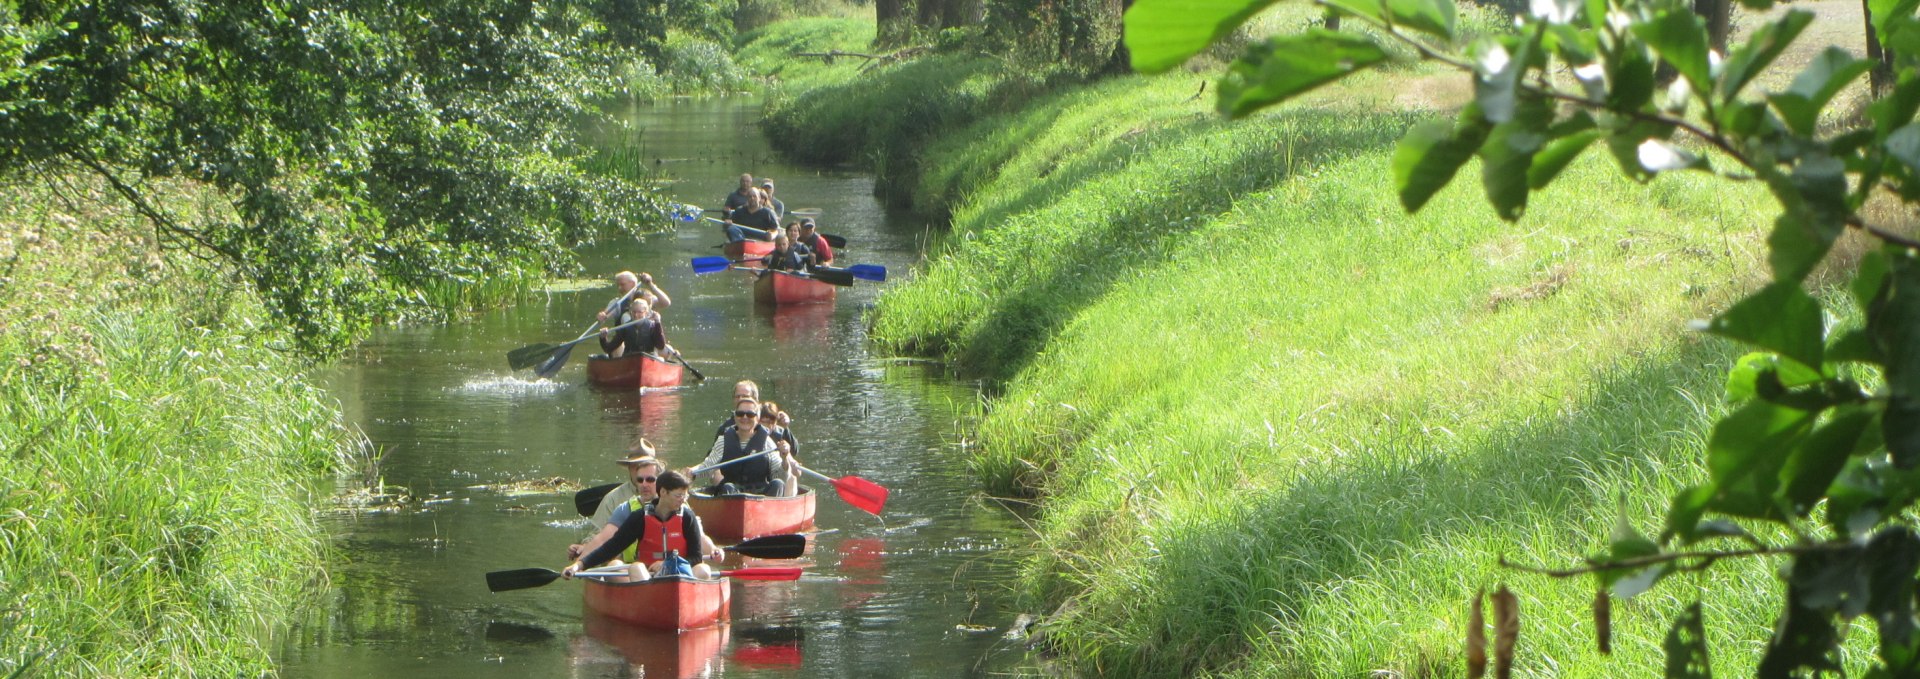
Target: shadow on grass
[1292, 546]
[1137, 236]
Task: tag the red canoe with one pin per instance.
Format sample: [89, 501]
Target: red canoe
[672, 602]
[781, 287]
[638, 370]
[731, 518]
[747, 250]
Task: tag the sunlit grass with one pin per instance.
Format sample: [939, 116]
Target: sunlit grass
[153, 520]
[1283, 429]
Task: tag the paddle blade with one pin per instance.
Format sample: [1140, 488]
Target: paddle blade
[523, 578]
[868, 272]
[762, 573]
[789, 546]
[587, 501]
[864, 495]
[553, 365]
[529, 356]
[697, 377]
[831, 277]
[709, 264]
[835, 240]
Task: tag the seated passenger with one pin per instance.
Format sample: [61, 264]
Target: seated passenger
[663, 528]
[763, 475]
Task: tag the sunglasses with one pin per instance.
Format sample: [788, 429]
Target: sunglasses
[645, 479]
[745, 413]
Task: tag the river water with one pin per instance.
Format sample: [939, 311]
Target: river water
[919, 592]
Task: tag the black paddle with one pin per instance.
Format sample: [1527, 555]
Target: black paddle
[528, 578]
[525, 357]
[682, 361]
[560, 352]
[588, 500]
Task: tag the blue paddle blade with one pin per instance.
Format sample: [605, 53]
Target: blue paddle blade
[710, 264]
[868, 272]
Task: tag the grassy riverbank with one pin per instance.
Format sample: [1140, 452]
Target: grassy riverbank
[1280, 428]
[153, 520]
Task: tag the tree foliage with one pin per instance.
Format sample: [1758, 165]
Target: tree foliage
[364, 150]
[1824, 436]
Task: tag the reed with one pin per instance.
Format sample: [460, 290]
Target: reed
[154, 519]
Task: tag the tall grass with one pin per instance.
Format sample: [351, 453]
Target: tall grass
[1280, 428]
[153, 451]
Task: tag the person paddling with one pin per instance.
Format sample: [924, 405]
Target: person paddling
[644, 335]
[643, 474]
[766, 475]
[818, 251]
[626, 281]
[738, 199]
[784, 257]
[662, 529]
[754, 215]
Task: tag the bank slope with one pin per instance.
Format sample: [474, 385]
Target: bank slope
[1279, 428]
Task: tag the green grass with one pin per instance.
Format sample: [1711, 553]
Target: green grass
[1280, 428]
[153, 455]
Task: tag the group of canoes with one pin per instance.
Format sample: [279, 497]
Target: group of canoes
[792, 259]
[660, 534]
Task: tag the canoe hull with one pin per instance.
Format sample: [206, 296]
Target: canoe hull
[638, 370]
[732, 518]
[780, 288]
[664, 603]
[747, 250]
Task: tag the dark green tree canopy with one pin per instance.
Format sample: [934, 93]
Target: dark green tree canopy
[366, 149]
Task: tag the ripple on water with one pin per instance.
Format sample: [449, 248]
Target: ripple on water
[508, 384]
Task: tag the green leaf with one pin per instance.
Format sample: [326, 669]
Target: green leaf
[1686, 646]
[1371, 9]
[1431, 154]
[1743, 118]
[1895, 110]
[1433, 17]
[1627, 543]
[1781, 318]
[1817, 460]
[1831, 581]
[1746, 373]
[1162, 34]
[1507, 156]
[1852, 346]
[1893, 323]
[1680, 37]
[1753, 57]
[1549, 162]
[1746, 452]
[1804, 637]
[1631, 75]
[1892, 557]
[1814, 200]
[1904, 145]
[1683, 514]
[1869, 276]
[1498, 69]
[1287, 66]
[1800, 105]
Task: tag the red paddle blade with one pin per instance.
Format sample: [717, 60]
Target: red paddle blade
[864, 495]
[762, 573]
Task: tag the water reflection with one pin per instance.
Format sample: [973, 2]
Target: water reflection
[798, 327]
[686, 654]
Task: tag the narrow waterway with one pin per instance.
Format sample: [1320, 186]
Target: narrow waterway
[917, 592]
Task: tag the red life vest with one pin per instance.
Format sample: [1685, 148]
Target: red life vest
[648, 548]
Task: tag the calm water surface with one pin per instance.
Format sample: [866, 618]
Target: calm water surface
[918, 592]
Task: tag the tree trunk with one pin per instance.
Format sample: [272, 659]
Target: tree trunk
[891, 23]
[1719, 17]
[1881, 77]
[1121, 61]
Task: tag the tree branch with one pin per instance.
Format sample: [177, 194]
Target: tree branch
[1706, 559]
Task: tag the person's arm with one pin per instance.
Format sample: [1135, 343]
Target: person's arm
[713, 456]
[610, 340]
[776, 466]
[624, 537]
[825, 251]
[660, 298]
[690, 527]
[659, 339]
